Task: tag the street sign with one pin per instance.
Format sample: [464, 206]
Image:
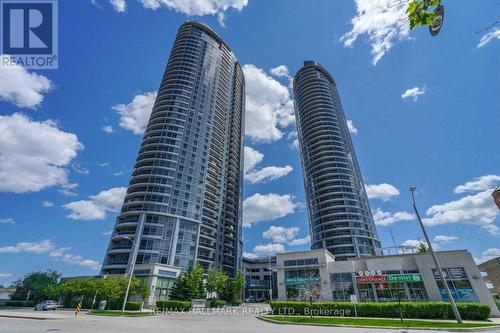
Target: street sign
[438, 20]
[395, 278]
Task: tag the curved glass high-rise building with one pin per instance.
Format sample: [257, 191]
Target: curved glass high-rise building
[184, 200]
[340, 218]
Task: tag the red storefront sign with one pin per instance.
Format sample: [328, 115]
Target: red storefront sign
[371, 279]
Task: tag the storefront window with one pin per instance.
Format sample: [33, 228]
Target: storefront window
[342, 286]
[392, 292]
[303, 284]
[366, 293]
[460, 287]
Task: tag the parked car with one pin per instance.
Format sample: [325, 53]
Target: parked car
[250, 299]
[46, 305]
[261, 299]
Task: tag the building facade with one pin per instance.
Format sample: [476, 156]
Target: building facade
[406, 277]
[492, 276]
[184, 200]
[340, 218]
[260, 278]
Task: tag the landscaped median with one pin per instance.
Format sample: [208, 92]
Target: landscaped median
[374, 322]
[113, 313]
[415, 310]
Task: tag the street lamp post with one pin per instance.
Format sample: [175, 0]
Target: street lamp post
[131, 273]
[436, 262]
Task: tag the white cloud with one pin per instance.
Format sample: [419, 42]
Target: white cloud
[478, 209]
[413, 93]
[47, 204]
[280, 234]
[119, 5]
[300, 241]
[478, 184]
[66, 190]
[267, 207]
[47, 247]
[444, 239]
[268, 249]
[353, 130]
[249, 255]
[135, 115]
[198, 7]
[491, 253]
[98, 206]
[20, 87]
[108, 129]
[252, 158]
[383, 21]
[280, 71]
[386, 218]
[107, 233]
[33, 154]
[293, 136]
[416, 243]
[268, 106]
[5, 275]
[7, 221]
[80, 169]
[254, 176]
[267, 174]
[382, 191]
[492, 35]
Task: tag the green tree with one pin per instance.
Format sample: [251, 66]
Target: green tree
[180, 290]
[216, 281]
[239, 285]
[111, 289]
[35, 283]
[422, 247]
[419, 14]
[194, 281]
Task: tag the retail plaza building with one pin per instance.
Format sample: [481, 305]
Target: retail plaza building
[406, 277]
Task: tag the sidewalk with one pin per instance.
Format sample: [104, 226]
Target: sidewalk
[29, 313]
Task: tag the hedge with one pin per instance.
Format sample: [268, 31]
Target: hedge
[133, 306]
[20, 303]
[237, 302]
[216, 303]
[173, 305]
[419, 310]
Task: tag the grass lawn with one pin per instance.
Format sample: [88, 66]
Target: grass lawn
[119, 313]
[407, 323]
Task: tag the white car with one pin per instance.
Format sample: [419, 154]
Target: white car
[46, 305]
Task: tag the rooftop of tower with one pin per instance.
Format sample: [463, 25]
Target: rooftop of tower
[314, 64]
[208, 30]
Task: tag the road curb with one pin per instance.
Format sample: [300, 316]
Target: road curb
[26, 317]
[471, 329]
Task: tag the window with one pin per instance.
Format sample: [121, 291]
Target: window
[458, 282]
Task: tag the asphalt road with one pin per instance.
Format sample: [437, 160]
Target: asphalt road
[176, 323]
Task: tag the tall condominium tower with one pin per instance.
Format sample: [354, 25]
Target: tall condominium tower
[184, 200]
[340, 218]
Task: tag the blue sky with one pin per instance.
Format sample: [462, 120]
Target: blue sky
[424, 111]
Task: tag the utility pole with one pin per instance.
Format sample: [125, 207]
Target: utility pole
[436, 262]
[131, 272]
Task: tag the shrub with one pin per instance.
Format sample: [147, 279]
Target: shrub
[173, 305]
[237, 302]
[419, 310]
[216, 303]
[20, 303]
[133, 306]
